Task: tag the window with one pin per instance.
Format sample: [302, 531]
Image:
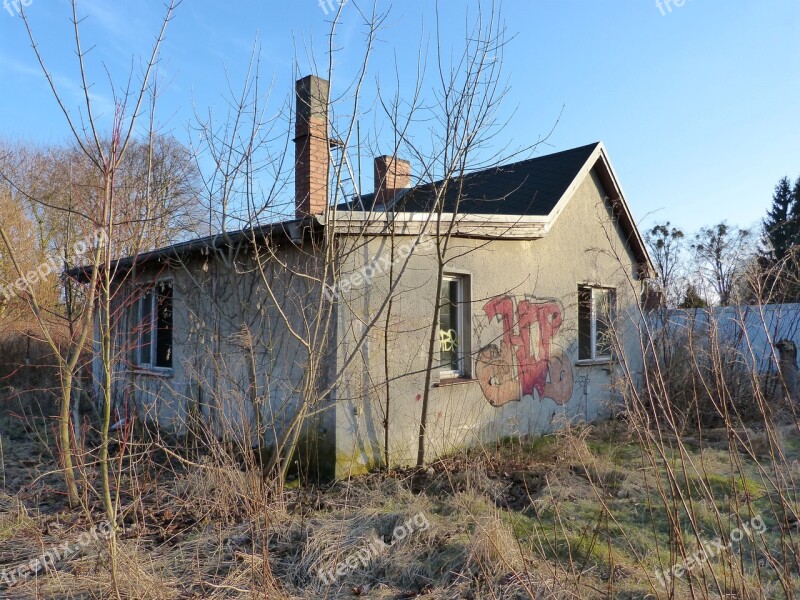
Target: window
[595, 315]
[453, 327]
[153, 312]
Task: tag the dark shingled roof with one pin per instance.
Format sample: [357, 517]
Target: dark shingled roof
[529, 187]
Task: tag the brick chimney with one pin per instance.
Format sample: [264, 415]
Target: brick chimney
[311, 149]
[392, 175]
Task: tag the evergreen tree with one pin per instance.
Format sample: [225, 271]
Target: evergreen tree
[692, 298]
[781, 227]
[794, 213]
[778, 275]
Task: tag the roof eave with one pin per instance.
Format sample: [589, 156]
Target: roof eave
[294, 230]
[485, 226]
[608, 176]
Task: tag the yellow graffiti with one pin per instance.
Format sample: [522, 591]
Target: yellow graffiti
[448, 340]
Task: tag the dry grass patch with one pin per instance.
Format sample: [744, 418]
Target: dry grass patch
[221, 493]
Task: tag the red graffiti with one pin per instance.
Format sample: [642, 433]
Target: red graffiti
[532, 369]
[533, 356]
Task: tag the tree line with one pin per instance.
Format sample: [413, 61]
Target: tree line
[724, 264]
[49, 202]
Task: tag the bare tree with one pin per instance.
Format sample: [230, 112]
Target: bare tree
[471, 88]
[666, 245]
[98, 207]
[721, 251]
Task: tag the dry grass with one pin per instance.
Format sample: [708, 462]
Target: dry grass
[560, 517]
[589, 512]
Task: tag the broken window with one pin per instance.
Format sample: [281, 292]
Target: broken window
[596, 307]
[153, 333]
[453, 320]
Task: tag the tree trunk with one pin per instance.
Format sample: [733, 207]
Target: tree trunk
[65, 440]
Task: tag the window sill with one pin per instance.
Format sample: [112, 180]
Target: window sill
[594, 362]
[448, 381]
[154, 372]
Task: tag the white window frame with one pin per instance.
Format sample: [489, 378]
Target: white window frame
[152, 289]
[592, 289]
[462, 320]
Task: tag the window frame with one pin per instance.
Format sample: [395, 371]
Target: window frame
[595, 357]
[151, 290]
[462, 328]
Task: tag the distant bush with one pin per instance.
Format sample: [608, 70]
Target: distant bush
[704, 378]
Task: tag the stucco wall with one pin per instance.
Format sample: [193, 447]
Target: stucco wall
[584, 246]
[236, 362]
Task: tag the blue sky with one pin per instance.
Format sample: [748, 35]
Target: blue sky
[698, 105]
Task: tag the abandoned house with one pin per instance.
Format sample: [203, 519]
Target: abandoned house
[319, 328]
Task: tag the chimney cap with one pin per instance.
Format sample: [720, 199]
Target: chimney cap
[312, 98]
[386, 158]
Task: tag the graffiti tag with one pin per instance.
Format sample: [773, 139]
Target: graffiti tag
[448, 340]
[525, 362]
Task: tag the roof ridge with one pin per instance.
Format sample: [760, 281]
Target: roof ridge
[526, 161]
[494, 169]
